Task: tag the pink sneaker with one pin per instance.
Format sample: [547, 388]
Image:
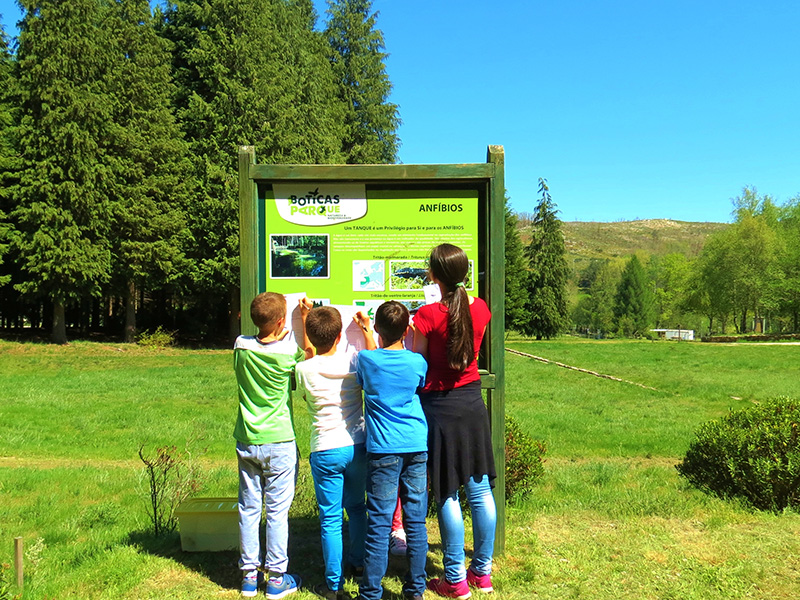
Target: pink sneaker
[444, 588]
[482, 582]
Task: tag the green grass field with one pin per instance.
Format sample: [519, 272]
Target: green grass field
[611, 519]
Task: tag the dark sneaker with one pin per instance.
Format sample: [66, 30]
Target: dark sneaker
[354, 572]
[279, 588]
[250, 584]
[323, 591]
[481, 582]
[444, 588]
[397, 543]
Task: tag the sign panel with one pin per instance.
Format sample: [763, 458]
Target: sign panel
[346, 244]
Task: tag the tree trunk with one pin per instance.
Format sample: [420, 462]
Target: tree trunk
[95, 318]
[59, 331]
[130, 313]
[234, 313]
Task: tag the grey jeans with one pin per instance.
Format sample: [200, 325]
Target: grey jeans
[267, 475]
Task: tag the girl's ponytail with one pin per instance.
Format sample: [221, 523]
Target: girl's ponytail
[449, 265]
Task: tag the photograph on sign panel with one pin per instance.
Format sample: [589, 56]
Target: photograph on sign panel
[299, 256]
[413, 275]
[413, 305]
[407, 274]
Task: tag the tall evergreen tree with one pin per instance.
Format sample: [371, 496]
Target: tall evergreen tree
[5, 150]
[364, 87]
[516, 292]
[633, 302]
[149, 160]
[548, 271]
[248, 72]
[601, 291]
[62, 210]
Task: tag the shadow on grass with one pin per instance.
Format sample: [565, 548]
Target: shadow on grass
[305, 557]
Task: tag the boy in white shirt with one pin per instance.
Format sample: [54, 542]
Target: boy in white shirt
[338, 456]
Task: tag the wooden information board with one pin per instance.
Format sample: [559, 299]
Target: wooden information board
[359, 235]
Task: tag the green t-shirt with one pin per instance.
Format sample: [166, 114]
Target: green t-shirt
[263, 374]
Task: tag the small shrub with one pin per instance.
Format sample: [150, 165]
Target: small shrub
[524, 460]
[753, 453]
[160, 338]
[172, 477]
[524, 466]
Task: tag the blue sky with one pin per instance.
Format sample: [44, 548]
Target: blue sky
[630, 109]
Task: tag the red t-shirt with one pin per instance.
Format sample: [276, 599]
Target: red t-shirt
[431, 321]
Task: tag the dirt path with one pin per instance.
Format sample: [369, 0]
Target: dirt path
[587, 371]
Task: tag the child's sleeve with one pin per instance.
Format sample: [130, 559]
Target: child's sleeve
[423, 370]
[421, 322]
[299, 355]
[357, 366]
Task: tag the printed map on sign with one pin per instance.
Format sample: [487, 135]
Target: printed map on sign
[369, 276]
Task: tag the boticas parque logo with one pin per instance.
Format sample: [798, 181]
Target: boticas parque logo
[320, 203]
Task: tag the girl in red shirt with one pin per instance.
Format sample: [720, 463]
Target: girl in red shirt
[449, 335]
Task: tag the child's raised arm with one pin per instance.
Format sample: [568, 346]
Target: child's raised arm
[305, 306]
[363, 321]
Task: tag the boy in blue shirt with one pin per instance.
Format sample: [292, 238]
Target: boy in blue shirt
[397, 448]
[265, 443]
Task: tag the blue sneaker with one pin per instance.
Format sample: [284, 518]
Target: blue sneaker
[250, 583]
[278, 588]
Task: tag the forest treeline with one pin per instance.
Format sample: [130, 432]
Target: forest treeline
[742, 278]
[119, 134]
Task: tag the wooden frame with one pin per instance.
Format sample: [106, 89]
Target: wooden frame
[487, 178]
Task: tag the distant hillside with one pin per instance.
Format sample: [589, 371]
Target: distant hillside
[587, 240]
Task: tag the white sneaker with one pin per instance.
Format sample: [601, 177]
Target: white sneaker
[397, 543]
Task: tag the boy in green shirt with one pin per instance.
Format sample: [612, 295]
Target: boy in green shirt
[265, 443]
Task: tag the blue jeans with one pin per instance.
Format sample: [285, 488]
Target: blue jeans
[340, 479]
[451, 527]
[266, 478]
[388, 474]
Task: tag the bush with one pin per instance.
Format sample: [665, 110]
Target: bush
[753, 453]
[524, 460]
[160, 338]
[524, 466]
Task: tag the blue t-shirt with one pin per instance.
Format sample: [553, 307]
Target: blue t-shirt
[392, 410]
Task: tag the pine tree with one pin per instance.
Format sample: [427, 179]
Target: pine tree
[5, 150]
[516, 293]
[548, 271]
[633, 302]
[364, 86]
[62, 210]
[149, 161]
[602, 288]
[250, 72]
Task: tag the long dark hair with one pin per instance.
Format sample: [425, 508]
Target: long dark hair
[449, 265]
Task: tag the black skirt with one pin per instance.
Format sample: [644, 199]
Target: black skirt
[459, 439]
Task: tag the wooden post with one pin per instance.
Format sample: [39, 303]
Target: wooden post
[248, 237]
[18, 560]
[496, 396]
